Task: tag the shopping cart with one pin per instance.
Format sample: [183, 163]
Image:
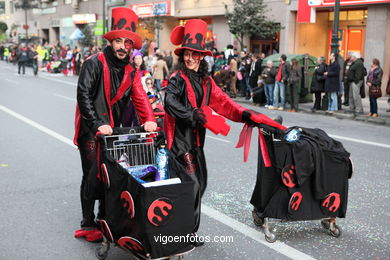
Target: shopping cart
[287, 191]
[137, 214]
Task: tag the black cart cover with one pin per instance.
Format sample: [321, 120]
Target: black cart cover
[308, 179]
[136, 216]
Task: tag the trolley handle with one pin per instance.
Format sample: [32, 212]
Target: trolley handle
[127, 130]
[271, 129]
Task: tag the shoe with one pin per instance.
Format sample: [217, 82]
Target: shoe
[374, 115]
[345, 104]
[247, 98]
[280, 108]
[272, 108]
[293, 110]
[370, 114]
[266, 106]
[329, 112]
[91, 235]
[313, 110]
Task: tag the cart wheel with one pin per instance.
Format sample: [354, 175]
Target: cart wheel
[335, 231]
[100, 253]
[257, 220]
[325, 224]
[271, 238]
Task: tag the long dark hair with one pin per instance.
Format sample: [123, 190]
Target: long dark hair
[202, 71]
[142, 67]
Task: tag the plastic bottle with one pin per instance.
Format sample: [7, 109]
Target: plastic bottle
[162, 162]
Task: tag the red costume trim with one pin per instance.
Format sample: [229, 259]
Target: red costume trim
[138, 95]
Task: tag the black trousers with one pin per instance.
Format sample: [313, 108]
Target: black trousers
[22, 64]
[90, 189]
[192, 164]
[346, 92]
[317, 100]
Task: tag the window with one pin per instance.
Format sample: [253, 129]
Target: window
[2, 7]
[67, 2]
[350, 15]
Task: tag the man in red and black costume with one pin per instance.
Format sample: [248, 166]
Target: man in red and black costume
[106, 86]
[190, 94]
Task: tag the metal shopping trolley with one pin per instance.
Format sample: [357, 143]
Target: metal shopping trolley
[307, 179]
[136, 214]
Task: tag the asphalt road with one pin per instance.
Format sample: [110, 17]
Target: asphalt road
[40, 175]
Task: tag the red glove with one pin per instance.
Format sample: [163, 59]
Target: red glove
[215, 123]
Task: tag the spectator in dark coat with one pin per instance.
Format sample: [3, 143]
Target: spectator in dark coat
[374, 79]
[318, 82]
[293, 83]
[268, 75]
[22, 58]
[255, 71]
[355, 79]
[332, 83]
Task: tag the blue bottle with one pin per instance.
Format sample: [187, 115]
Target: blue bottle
[162, 162]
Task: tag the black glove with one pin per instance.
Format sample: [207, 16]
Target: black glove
[246, 117]
[199, 116]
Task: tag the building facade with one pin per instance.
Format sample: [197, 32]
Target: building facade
[307, 24]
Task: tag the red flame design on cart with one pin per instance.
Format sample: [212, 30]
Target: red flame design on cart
[295, 201]
[129, 203]
[160, 211]
[332, 202]
[288, 176]
[131, 244]
[106, 230]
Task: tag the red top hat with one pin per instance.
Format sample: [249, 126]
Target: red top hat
[192, 36]
[123, 25]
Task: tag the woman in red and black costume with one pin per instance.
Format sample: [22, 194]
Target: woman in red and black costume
[106, 86]
[190, 90]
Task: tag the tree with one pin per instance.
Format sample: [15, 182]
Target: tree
[3, 27]
[88, 39]
[248, 19]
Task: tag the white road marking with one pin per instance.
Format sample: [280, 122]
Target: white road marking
[219, 139]
[12, 81]
[65, 97]
[278, 246]
[38, 126]
[359, 141]
[222, 218]
[59, 80]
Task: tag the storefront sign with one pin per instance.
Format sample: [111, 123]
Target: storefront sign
[84, 18]
[346, 2]
[162, 8]
[307, 8]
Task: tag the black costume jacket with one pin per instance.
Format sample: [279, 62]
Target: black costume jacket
[185, 136]
[104, 92]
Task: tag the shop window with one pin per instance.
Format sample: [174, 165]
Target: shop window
[2, 7]
[355, 15]
[350, 15]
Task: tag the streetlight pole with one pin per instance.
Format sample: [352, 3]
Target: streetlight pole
[104, 22]
[335, 32]
[25, 22]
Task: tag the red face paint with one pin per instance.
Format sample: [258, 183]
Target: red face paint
[128, 44]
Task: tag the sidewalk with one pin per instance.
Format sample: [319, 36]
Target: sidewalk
[383, 119]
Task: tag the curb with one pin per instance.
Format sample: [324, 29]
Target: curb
[338, 115]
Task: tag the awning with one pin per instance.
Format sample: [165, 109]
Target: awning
[76, 35]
